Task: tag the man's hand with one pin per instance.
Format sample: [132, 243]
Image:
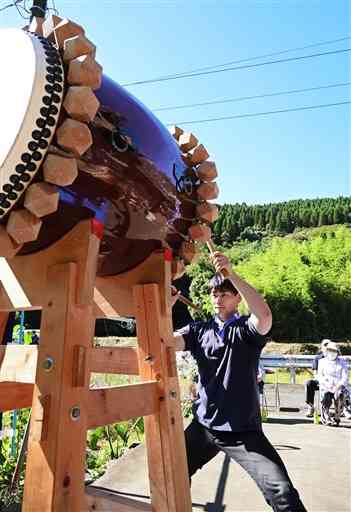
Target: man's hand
[221, 263]
[175, 295]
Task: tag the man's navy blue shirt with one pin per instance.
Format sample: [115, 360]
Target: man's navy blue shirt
[227, 360]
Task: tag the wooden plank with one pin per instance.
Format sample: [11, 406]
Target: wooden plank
[15, 395]
[99, 500]
[168, 470]
[18, 363]
[26, 281]
[122, 360]
[172, 430]
[110, 304]
[158, 456]
[56, 455]
[110, 405]
[3, 322]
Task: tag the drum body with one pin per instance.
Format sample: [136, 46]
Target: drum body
[131, 181]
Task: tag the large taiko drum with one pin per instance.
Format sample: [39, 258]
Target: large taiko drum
[68, 153]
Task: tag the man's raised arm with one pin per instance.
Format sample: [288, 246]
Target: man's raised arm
[261, 315]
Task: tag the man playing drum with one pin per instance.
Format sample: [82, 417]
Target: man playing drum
[226, 412]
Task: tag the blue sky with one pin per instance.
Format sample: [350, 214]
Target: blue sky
[274, 158]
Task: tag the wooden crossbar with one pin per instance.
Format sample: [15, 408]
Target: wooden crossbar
[110, 405]
[15, 395]
[3, 321]
[99, 500]
[18, 362]
[122, 360]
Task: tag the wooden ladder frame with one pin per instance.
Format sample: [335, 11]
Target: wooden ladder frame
[54, 378]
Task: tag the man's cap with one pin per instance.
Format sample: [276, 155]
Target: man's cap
[325, 342]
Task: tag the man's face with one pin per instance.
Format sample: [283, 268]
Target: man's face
[225, 303]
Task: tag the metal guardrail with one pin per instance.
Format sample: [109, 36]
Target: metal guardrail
[292, 363]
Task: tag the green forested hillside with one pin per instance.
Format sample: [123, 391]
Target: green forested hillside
[243, 222]
[305, 277]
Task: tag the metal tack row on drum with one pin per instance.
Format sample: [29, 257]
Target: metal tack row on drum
[75, 145]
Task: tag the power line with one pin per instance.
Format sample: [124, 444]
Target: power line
[272, 54]
[245, 98]
[21, 9]
[258, 114]
[236, 68]
[12, 4]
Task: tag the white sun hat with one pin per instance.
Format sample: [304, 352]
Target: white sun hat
[333, 346]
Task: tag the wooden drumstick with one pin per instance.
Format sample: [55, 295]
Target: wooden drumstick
[212, 249]
[188, 302]
[184, 300]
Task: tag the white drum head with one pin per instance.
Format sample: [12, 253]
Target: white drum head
[31, 91]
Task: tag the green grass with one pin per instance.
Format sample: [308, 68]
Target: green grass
[284, 377]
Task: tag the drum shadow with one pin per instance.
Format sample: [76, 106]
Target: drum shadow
[290, 421]
[283, 447]
[146, 498]
[217, 505]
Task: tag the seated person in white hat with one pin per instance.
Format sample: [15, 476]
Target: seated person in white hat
[311, 386]
[332, 378]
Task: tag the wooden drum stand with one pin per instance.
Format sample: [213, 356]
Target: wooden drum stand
[54, 378]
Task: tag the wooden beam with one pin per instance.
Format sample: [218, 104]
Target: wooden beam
[168, 471]
[110, 405]
[99, 500]
[57, 446]
[18, 363]
[15, 395]
[3, 322]
[122, 360]
[108, 303]
[24, 282]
